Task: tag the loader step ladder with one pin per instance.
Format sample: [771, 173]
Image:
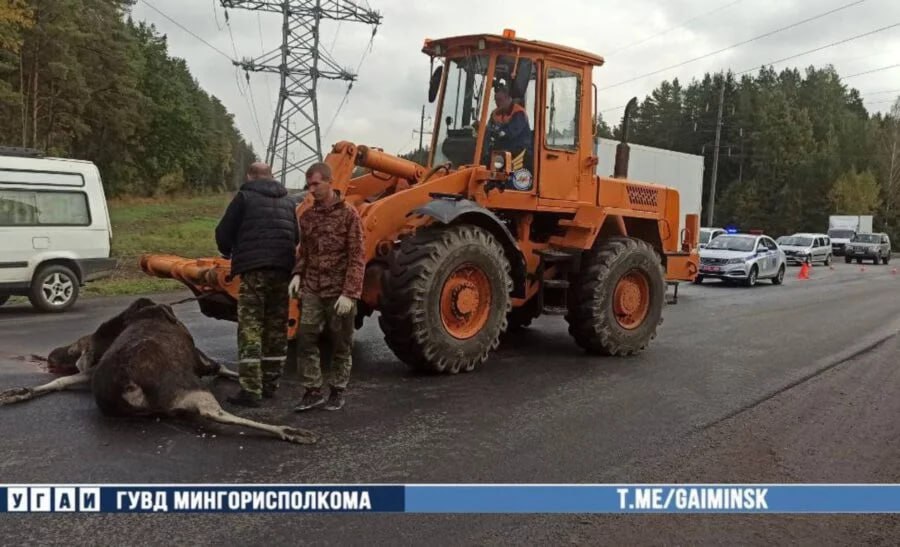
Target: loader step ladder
[554, 291]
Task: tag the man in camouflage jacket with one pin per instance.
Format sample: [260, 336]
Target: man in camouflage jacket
[328, 277]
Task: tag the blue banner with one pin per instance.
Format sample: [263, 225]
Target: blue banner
[447, 498]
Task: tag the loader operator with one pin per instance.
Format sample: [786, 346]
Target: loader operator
[328, 279]
[510, 129]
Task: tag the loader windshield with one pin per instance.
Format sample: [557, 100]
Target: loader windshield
[458, 130]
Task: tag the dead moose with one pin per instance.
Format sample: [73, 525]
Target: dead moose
[144, 362]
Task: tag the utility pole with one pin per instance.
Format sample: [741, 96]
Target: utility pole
[300, 61]
[421, 150]
[711, 203]
[421, 127]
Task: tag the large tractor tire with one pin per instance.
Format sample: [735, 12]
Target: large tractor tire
[616, 301]
[445, 298]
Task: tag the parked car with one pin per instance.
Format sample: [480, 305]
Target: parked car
[874, 247]
[742, 257]
[806, 248]
[708, 234]
[54, 228]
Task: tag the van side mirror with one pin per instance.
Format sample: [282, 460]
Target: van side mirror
[435, 83]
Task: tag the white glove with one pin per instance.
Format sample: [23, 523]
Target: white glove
[294, 287]
[343, 305]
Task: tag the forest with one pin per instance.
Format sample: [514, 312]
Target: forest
[80, 78]
[796, 146]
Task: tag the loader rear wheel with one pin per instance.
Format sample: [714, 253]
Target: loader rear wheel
[445, 299]
[617, 299]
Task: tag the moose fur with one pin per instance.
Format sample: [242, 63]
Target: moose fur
[144, 362]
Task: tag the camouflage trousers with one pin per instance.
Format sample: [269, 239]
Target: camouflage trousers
[262, 329]
[317, 314]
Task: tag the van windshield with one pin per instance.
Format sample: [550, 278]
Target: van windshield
[841, 234]
[795, 241]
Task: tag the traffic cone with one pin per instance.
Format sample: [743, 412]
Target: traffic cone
[894, 271]
[804, 271]
[862, 268]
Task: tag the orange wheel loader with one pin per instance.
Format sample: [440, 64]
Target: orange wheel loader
[504, 223]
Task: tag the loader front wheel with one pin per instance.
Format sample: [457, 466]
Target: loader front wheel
[617, 299]
[445, 298]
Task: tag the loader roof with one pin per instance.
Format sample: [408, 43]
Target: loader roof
[459, 44]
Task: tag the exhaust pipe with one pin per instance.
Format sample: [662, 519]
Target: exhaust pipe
[620, 170]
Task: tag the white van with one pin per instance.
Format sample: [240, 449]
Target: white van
[54, 228]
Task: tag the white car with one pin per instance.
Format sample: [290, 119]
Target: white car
[808, 248]
[743, 258]
[54, 228]
[709, 234]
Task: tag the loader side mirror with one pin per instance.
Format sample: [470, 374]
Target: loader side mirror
[435, 83]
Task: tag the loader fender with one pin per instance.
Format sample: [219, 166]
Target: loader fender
[464, 211]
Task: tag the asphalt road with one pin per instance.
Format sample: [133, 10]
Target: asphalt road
[792, 383]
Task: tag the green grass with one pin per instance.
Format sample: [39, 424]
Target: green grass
[181, 226]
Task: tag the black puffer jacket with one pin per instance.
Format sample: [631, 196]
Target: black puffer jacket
[259, 228]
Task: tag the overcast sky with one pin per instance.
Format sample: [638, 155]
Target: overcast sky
[635, 37]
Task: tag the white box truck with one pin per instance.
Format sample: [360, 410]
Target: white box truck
[842, 228]
[683, 172]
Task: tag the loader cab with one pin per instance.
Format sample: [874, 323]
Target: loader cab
[552, 156]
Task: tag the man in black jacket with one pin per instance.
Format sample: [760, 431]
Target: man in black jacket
[259, 234]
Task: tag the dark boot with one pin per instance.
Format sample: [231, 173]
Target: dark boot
[311, 399]
[245, 398]
[335, 399]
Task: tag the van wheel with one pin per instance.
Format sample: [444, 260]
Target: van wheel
[848, 260]
[828, 260]
[4, 298]
[886, 259]
[54, 288]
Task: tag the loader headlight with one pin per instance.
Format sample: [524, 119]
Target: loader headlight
[499, 162]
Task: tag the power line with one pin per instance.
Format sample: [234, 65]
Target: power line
[262, 51]
[885, 92]
[216, 16]
[182, 27]
[253, 110]
[870, 71]
[820, 48]
[231, 35]
[739, 44]
[670, 29]
[350, 86]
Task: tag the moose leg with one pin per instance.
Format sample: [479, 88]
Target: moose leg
[204, 404]
[20, 394]
[206, 366]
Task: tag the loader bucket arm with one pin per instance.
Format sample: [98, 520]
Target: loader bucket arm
[207, 278]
